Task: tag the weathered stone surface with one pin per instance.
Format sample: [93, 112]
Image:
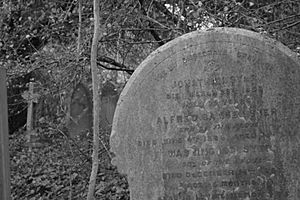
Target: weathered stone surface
[212, 115]
[109, 98]
[4, 151]
[80, 119]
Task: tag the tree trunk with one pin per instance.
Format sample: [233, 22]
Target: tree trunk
[79, 29]
[96, 101]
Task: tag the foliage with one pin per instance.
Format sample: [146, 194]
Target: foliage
[43, 35]
[60, 169]
[37, 34]
[40, 38]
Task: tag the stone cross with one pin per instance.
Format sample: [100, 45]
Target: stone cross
[31, 97]
[211, 115]
[30, 107]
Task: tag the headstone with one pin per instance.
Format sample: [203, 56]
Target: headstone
[212, 115]
[109, 98]
[80, 119]
[4, 150]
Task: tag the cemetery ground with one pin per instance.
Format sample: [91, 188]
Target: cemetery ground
[59, 167]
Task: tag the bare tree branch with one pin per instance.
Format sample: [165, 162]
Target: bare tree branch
[129, 71]
[153, 32]
[286, 27]
[165, 11]
[282, 19]
[112, 62]
[79, 29]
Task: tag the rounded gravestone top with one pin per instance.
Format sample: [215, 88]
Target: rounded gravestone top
[212, 115]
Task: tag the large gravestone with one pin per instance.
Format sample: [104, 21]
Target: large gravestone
[4, 151]
[212, 115]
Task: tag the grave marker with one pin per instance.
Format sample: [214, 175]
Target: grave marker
[80, 119]
[31, 97]
[4, 150]
[30, 107]
[212, 115]
[109, 98]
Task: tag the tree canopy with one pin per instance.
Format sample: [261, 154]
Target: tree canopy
[49, 42]
[44, 34]
[53, 38]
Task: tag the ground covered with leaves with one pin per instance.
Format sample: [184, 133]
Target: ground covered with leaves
[59, 168]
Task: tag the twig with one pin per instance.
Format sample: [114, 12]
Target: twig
[112, 62]
[164, 10]
[279, 20]
[148, 29]
[153, 33]
[286, 27]
[294, 33]
[79, 29]
[129, 71]
[139, 42]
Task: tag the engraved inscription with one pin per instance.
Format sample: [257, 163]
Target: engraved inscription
[213, 116]
[219, 136]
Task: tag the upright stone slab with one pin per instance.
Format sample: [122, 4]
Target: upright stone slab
[80, 119]
[212, 115]
[4, 151]
[109, 98]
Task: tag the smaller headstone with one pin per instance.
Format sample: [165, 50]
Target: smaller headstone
[109, 98]
[80, 118]
[4, 150]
